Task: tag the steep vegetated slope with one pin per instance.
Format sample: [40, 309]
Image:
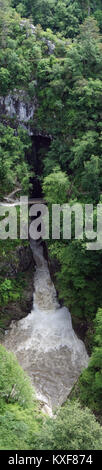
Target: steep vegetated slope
[50, 93]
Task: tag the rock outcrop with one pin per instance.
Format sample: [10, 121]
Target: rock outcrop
[13, 264]
[19, 106]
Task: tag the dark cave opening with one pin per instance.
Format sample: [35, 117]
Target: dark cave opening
[40, 146]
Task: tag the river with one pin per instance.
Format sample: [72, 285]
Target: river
[44, 342]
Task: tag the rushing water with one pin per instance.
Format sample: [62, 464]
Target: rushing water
[44, 342]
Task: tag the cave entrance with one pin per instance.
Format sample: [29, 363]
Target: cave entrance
[40, 146]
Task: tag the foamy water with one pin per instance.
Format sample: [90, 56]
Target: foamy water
[44, 342]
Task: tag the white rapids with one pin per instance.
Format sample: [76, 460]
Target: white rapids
[44, 342]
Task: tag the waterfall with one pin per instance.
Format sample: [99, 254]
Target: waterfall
[44, 342]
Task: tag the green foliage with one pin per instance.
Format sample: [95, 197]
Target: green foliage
[91, 378]
[55, 186]
[14, 169]
[20, 418]
[14, 385]
[14, 431]
[79, 278]
[19, 426]
[10, 290]
[63, 16]
[74, 428]
[4, 80]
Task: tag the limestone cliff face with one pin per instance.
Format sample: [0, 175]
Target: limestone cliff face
[20, 109]
[19, 106]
